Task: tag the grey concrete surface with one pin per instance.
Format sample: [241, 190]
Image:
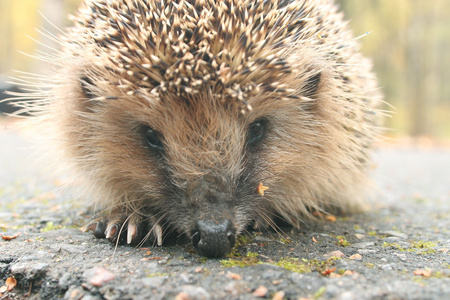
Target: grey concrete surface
[400, 249]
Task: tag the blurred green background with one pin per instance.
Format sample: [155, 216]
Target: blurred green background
[409, 42]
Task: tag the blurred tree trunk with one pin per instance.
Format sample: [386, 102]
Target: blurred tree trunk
[423, 64]
[416, 69]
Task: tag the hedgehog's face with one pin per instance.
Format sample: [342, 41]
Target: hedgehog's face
[208, 159]
[192, 163]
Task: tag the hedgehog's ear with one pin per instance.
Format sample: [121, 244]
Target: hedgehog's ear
[312, 85]
[89, 99]
[87, 86]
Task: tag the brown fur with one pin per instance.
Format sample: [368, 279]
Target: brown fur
[300, 70]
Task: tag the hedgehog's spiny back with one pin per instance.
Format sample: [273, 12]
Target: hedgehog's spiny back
[237, 48]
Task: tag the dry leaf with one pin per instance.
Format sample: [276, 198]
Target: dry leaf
[279, 295]
[101, 276]
[261, 188]
[336, 253]
[424, 273]
[261, 291]
[356, 256]
[348, 272]
[10, 237]
[328, 271]
[10, 283]
[152, 258]
[330, 218]
[234, 276]
[183, 296]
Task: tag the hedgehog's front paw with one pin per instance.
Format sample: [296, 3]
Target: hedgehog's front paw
[120, 229]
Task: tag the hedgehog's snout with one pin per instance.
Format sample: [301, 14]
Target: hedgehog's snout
[214, 240]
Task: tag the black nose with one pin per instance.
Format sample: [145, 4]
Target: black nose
[214, 240]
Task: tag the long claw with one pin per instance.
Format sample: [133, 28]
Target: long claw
[131, 233]
[111, 232]
[97, 227]
[90, 227]
[158, 233]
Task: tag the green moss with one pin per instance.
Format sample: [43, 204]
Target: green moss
[294, 265]
[342, 241]
[244, 239]
[288, 263]
[250, 260]
[286, 240]
[241, 240]
[320, 293]
[395, 245]
[306, 266]
[439, 274]
[50, 226]
[251, 254]
[423, 245]
[202, 259]
[157, 274]
[341, 271]
[419, 247]
[419, 280]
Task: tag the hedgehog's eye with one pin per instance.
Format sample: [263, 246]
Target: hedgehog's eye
[256, 131]
[153, 139]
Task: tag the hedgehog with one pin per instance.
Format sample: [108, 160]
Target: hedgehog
[207, 117]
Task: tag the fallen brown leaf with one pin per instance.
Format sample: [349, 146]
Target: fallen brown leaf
[421, 272]
[234, 276]
[101, 276]
[261, 291]
[348, 272]
[356, 256]
[261, 188]
[10, 283]
[152, 258]
[330, 218]
[279, 295]
[183, 296]
[10, 237]
[328, 271]
[336, 253]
